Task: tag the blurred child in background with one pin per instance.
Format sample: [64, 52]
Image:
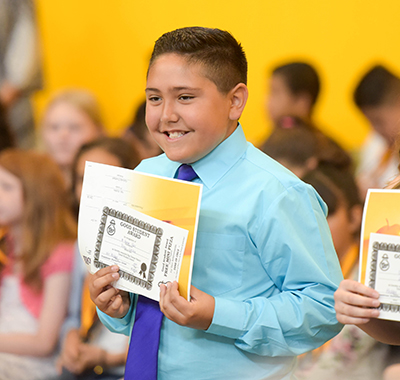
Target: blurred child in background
[352, 354]
[35, 270]
[139, 136]
[324, 165]
[294, 90]
[71, 119]
[20, 67]
[377, 95]
[90, 350]
[301, 147]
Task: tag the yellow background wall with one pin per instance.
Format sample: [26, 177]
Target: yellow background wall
[104, 46]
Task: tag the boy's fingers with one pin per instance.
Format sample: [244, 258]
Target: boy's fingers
[104, 271]
[357, 312]
[116, 303]
[356, 300]
[171, 303]
[104, 298]
[102, 278]
[346, 320]
[356, 287]
[175, 299]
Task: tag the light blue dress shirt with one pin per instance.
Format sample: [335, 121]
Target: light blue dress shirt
[264, 251]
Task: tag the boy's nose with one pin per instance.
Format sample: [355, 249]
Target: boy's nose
[169, 114]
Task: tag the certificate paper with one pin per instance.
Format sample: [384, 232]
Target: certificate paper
[380, 249]
[144, 224]
[383, 273]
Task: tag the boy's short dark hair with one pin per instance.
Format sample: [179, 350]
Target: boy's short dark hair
[377, 87]
[217, 50]
[301, 78]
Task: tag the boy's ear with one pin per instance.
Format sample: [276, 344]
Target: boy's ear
[238, 96]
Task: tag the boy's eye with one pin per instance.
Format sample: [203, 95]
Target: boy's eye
[186, 97]
[154, 99]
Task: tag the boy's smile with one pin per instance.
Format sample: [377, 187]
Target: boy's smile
[185, 112]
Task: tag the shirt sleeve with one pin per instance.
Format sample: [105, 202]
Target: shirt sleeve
[296, 250]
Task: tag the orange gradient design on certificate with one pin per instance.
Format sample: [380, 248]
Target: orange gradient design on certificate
[175, 202]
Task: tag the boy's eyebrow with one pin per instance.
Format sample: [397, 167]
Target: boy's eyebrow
[178, 88]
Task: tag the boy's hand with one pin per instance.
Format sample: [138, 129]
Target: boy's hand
[353, 303]
[109, 300]
[197, 314]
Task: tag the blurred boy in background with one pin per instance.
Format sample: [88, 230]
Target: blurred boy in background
[377, 95]
[294, 90]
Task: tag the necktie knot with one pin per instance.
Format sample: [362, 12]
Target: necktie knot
[186, 173]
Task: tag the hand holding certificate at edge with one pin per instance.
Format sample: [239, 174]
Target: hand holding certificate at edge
[196, 313]
[112, 301]
[355, 303]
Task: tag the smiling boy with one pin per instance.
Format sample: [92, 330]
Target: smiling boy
[265, 269]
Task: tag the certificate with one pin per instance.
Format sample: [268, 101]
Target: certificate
[145, 224]
[383, 273]
[380, 249]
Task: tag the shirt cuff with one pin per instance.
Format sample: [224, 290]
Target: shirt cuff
[119, 325]
[229, 318]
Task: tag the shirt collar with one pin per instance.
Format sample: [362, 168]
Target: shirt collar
[214, 165]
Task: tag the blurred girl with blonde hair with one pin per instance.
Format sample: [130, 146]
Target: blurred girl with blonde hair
[35, 265]
[72, 118]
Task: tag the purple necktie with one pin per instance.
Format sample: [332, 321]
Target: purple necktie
[186, 173]
[142, 360]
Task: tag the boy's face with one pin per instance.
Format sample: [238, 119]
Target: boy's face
[185, 112]
[385, 119]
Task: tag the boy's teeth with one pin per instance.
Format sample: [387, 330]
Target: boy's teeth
[175, 135]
